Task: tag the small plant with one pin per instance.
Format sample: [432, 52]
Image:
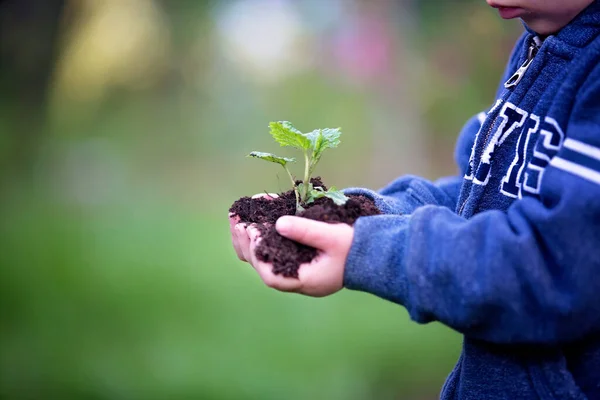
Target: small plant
[312, 145]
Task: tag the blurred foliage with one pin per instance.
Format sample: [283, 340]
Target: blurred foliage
[123, 130]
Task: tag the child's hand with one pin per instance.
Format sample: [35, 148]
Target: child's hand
[323, 276]
[239, 235]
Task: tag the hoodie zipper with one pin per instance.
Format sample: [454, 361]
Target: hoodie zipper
[511, 83]
[514, 80]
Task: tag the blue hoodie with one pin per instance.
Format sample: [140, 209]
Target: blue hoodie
[508, 252]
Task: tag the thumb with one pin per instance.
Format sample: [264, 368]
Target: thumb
[320, 235]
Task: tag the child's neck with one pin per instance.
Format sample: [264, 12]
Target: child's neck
[551, 23]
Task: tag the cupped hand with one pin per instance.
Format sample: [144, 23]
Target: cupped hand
[321, 277]
[239, 235]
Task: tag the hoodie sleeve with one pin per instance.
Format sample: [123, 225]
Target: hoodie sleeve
[405, 194]
[528, 275]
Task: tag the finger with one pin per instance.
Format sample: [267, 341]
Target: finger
[235, 239]
[317, 234]
[233, 223]
[243, 241]
[265, 270]
[238, 250]
[265, 195]
[253, 236]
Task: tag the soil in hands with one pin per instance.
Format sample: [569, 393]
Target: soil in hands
[287, 255]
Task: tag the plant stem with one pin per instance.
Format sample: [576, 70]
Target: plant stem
[293, 186]
[306, 175]
[312, 168]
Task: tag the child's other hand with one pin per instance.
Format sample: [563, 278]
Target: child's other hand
[324, 275]
[239, 234]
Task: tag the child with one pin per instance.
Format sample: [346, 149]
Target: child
[508, 253]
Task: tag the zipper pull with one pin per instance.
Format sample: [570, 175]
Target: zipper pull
[516, 78]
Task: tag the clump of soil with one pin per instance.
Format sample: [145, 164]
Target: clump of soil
[287, 255]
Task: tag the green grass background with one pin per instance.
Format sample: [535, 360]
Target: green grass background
[118, 280]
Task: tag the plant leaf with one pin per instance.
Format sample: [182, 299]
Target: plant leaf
[322, 139]
[286, 135]
[301, 188]
[337, 196]
[271, 157]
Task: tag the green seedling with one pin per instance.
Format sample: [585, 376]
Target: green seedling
[312, 145]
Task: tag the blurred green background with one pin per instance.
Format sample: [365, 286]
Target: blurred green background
[124, 126]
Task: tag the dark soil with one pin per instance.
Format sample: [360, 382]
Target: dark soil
[285, 254]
